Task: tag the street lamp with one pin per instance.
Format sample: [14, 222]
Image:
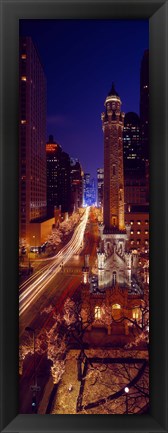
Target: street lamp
[34, 237]
[126, 389]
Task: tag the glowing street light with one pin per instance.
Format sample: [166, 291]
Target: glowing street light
[34, 237]
[126, 389]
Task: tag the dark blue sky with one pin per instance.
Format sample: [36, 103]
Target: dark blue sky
[81, 58]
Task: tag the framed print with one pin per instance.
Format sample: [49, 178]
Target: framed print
[92, 312]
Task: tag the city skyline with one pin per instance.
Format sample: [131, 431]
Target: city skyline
[79, 73]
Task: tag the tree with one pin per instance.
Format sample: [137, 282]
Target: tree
[102, 374]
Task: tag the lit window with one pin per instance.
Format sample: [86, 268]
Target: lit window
[146, 232]
[132, 232]
[23, 78]
[131, 222]
[139, 223]
[116, 306]
[146, 242]
[132, 242]
[138, 241]
[97, 312]
[23, 122]
[138, 232]
[135, 313]
[23, 56]
[146, 222]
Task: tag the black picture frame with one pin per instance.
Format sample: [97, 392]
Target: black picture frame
[157, 13]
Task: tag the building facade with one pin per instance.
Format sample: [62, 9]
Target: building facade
[112, 124]
[89, 190]
[32, 133]
[135, 186]
[58, 178]
[100, 186]
[131, 139]
[144, 105]
[53, 157]
[76, 175]
[137, 216]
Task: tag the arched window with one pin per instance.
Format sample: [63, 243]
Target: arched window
[116, 306]
[97, 312]
[114, 278]
[136, 313]
[116, 312]
[114, 221]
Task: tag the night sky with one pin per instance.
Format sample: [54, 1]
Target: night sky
[81, 58]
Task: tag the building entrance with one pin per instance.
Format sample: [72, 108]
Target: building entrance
[116, 311]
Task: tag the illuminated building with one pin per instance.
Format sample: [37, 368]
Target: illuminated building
[100, 186]
[114, 291]
[32, 132]
[53, 155]
[76, 184]
[131, 139]
[112, 124]
[86, 189]
[144, 114]
[89, 190]
[113, 232]
[65, 181]
[144, 104]
[93, 192]
[137, 216]
[58, 177]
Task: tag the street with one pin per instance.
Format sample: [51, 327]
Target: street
[64, 283]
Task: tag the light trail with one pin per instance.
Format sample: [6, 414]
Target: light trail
[33, 288]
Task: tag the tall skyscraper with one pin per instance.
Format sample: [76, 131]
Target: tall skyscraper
[53, 154]
[113, 124]
[65, 180]
[76, 184]
[86, 189]
[131, 139]
[134, 166]
[58, 177]
[144, 104]
[100, 186]
[32, 136]
[89, 190]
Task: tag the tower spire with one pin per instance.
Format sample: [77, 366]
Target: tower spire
[113, 90]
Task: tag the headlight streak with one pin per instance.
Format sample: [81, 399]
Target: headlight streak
[53, 258]
[48, 272]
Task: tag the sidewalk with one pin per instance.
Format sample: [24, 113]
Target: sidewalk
[68, 389]
[45, 399]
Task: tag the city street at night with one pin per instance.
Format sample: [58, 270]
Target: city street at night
[84, 217]
[65, 283]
